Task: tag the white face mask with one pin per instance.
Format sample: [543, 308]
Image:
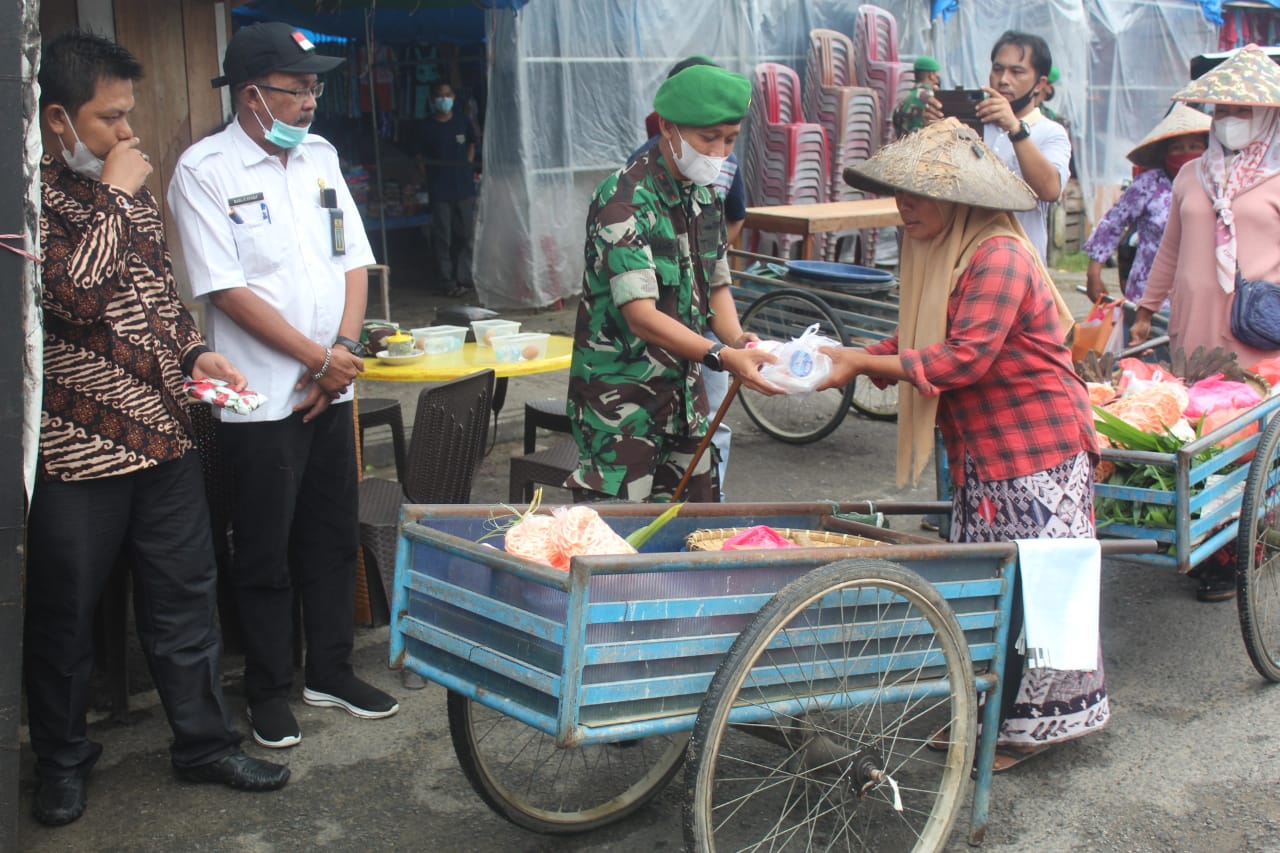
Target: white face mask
[1233, 132]
[81, 160]
[695, 165]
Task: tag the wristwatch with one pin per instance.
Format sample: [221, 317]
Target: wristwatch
[355, 347]
[711, 358]
[1023, 131]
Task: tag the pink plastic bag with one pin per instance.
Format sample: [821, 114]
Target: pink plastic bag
[1214, 393]
[760, 536]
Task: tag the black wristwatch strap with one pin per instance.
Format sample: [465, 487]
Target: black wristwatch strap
[355, 347]
[711, 358]
[1023, 131]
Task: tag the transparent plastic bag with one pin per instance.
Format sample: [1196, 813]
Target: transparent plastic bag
[800, 367]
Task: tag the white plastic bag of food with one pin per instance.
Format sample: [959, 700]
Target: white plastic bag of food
[800, 367]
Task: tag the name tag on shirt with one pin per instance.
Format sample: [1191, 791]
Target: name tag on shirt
[236, 201]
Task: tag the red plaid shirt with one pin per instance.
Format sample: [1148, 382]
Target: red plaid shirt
[1009, 397]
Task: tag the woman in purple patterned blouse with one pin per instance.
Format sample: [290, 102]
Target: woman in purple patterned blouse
[1180, 138]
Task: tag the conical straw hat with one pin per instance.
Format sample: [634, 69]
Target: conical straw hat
[1250, 78]
[947, 161]
[1181, 121]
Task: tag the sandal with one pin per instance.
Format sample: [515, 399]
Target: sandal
[1008, 758]
[1215, 589]
[941, 740]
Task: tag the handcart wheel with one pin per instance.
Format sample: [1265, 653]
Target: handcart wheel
[782, 315]
[880, 404]
[521, 774]
[833, 690]
[1258, 550]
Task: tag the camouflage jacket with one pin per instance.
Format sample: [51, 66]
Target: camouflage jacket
[909, 115]
[648, 236]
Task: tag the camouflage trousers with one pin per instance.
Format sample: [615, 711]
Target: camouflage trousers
[644, 469]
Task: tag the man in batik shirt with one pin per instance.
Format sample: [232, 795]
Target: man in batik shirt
[655, 278]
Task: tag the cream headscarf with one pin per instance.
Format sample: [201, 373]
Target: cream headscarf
[929, 271]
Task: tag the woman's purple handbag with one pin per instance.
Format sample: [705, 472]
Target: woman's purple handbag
[1255, 313]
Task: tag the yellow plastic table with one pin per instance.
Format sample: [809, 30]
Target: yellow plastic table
[470, 359]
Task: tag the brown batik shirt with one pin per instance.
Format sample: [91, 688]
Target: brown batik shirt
[117, 338]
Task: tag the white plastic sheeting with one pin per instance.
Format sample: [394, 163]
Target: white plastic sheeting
[572, 80]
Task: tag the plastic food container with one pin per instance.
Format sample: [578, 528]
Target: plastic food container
[399, 344]
[435, 340]
[487, 330]
[522, 347]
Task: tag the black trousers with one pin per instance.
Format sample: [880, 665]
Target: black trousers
[453, 225]
[294, 527]
[75, 532]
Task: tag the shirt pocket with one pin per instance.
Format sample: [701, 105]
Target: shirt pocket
[258, 246]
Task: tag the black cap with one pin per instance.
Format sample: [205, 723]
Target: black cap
[263, 48]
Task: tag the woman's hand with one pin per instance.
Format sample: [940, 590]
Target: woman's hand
[1094, 288]
[846, 364]
[1141, 328]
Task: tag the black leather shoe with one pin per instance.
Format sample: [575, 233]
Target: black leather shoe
[59, 800]
[239, 771]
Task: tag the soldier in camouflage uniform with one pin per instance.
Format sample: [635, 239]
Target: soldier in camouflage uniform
[914, 112]
[655, 278]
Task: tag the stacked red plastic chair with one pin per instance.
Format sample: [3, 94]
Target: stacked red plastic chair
[877, 63]
[851, 117]
[786, 157]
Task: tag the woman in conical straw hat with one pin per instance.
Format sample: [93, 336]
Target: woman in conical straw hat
[1224, 211]
[980, 352]
[1225, 216]
[1180, 137]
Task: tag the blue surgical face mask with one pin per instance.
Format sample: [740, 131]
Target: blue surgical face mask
[281, 135]
[443, 105]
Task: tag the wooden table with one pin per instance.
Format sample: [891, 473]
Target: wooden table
[809, 219]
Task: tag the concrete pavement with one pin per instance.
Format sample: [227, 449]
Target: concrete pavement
[1189, 762]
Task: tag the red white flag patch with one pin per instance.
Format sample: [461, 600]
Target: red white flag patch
[303, 41]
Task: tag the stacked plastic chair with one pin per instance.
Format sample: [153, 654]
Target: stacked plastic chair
[851, 117]
[877, 64]
[786, 157]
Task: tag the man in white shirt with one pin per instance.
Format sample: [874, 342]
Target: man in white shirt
[1035, 148]
[273, 241]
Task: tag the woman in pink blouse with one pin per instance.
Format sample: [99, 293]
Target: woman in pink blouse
[1225, 211]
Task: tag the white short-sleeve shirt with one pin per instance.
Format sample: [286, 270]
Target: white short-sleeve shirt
[1052, 140]
[246, 219]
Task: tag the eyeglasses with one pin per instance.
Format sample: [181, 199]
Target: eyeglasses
[315, 91]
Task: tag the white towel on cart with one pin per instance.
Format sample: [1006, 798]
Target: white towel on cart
[1061, 581]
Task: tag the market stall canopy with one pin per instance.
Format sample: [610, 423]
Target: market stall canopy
[395, 21]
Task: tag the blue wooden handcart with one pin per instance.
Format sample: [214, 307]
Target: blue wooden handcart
[1214, 500]
[809, 687]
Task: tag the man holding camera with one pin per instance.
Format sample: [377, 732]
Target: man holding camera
[1035, 148]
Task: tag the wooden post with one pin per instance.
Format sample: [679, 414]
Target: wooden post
[19, 59]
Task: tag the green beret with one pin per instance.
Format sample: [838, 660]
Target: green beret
[926, 63]
[1054, 74]
[703, 95]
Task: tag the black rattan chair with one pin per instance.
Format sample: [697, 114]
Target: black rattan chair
[444, 453]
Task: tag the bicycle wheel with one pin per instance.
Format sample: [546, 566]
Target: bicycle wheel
[879, 404]
[800, 766]
[781, 316]
[523, 776]
[1258, 552]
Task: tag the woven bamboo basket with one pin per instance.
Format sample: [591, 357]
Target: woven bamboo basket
[712, 540]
